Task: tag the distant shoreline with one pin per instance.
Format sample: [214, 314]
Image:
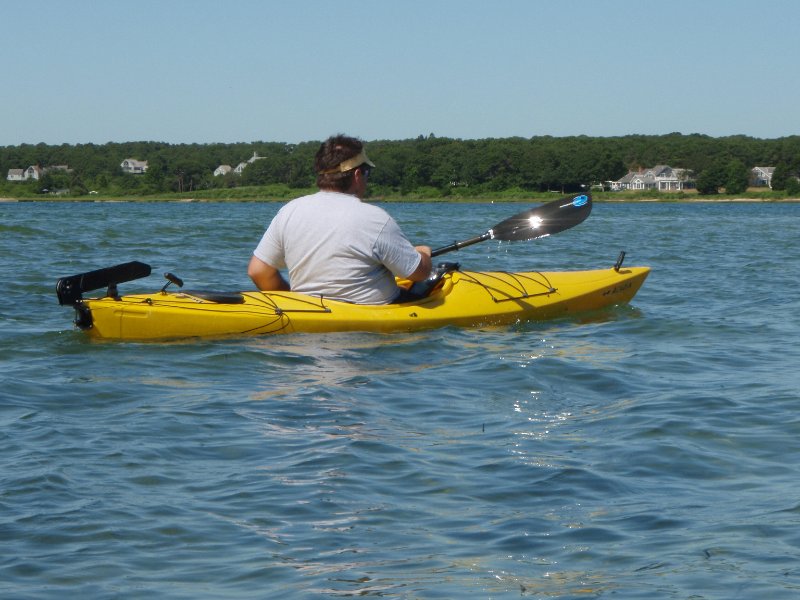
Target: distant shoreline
[662, 200]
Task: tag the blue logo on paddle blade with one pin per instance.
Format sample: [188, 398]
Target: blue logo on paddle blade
[579, 201]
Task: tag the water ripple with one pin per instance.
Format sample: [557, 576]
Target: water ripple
[641, 451]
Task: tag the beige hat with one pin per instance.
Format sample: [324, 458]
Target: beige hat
[351, 163]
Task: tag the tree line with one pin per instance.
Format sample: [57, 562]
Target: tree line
[427, 165]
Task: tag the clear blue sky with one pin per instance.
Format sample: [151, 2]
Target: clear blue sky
[185, 71]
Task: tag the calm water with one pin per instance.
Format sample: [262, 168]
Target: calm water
[650, 451]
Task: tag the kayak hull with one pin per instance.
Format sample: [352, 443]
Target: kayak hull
[463, 298]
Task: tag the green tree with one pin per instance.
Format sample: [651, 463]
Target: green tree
[711, 179]
[102, 182]
[264, 172]
[737, 177]
[187, 175]
[780, 176]
[157, 174]
[793, 187]
[415, 165]
[76, 185]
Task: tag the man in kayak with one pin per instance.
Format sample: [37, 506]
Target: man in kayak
[333, 244]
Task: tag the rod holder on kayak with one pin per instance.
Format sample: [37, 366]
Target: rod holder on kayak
[70, 289]
[620, 259]
[171, 279]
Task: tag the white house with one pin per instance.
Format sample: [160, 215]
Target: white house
[34, 172]
[222, 170]
[131, 165]
[762, 176]
[16, 175]
[242, 165]
[661, 177]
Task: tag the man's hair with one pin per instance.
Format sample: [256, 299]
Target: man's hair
[333, 152]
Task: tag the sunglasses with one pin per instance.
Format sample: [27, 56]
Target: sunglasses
[365, 170]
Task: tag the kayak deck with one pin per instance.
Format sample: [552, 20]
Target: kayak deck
[462, 298]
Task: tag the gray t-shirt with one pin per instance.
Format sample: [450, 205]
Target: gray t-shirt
[338, 247]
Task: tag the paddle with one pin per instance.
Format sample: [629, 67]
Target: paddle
[541, 221]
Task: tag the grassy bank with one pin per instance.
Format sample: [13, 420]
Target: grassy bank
[282, 193]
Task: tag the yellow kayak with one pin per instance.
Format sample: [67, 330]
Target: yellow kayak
[459, 298]
[449, 297]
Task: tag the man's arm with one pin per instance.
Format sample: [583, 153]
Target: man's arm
[424, 268]
[266, 277]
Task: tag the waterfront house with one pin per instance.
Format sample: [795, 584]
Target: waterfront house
[661, 177]
[243, 165]
[34, 172]
[133, 166]
[761, 176]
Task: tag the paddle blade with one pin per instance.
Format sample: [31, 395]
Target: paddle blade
[544, 220]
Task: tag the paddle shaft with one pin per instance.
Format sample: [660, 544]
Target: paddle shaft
[459, 245]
